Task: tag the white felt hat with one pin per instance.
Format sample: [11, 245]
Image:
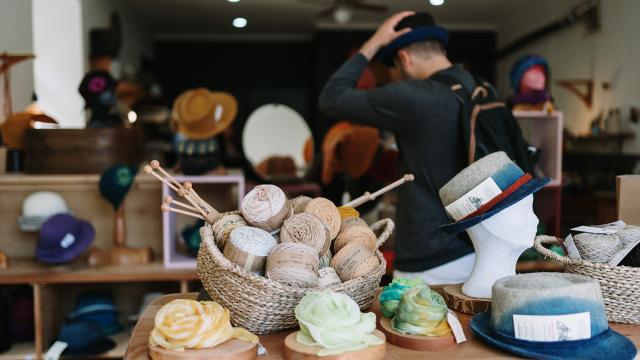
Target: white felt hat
[38, 207]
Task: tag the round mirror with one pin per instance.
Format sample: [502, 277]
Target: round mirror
[277, 142]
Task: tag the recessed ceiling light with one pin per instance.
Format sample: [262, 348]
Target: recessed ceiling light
[240, 22]
[432, 2]
[233, 0]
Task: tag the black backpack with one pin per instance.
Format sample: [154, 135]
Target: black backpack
[487, 122]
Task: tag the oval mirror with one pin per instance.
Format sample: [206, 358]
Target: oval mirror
[278, 143]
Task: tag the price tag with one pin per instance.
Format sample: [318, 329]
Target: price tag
[552, 327]
[456, 327]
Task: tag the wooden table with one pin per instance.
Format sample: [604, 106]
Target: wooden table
[471, 349]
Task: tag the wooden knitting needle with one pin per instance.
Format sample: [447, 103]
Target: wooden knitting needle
[168, 200]
[367, 196]
[166, 207]
[149, 170]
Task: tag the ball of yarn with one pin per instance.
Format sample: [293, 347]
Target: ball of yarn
[597, 248]
[300, 278]
[293, 255]
[326, 211]
[306, 229]
[224, 225]
[353, 261]
[265, 207]
[328, 277]
[422, 311]
[348, 211]
[299, 203]
[249, 247]
[355, 230]
[391, 294]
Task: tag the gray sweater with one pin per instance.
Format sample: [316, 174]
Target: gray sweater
[424, 116]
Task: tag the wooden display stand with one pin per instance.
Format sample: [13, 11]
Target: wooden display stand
[121, 254]
[229, 350]
[460, 302]
[293, 350]
[415, 342]
[4, 261]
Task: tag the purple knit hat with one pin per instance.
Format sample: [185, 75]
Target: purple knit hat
[63, 238]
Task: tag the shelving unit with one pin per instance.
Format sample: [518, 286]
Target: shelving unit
[55, 287]
[544, 131]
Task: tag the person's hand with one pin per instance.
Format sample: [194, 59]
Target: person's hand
[385, 34]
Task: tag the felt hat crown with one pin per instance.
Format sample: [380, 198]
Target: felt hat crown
[550, 316]
[200, 113]
[483, 189]
[38, 207]
[423, 27]
[348, 147]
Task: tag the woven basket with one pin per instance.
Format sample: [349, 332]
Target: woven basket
[263, 306]
[620, 284]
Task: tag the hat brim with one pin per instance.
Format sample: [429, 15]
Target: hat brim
[85, 238]
[230, 106]
[608, 345]
[99, 347]
[525, 190]
[387, 54]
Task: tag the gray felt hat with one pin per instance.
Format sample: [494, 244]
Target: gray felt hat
[485, 188]
[550, 316]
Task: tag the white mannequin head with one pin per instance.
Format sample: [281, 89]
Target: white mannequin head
[499, 241]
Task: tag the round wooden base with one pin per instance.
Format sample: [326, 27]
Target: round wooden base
[293, 350]
[233, 349]
[415, 342]
[460, 302]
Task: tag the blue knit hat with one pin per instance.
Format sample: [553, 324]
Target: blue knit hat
[522, 65]
[550, 316]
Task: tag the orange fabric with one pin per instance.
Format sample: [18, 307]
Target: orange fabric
[15, 127]
[350, 148]
[307, 152]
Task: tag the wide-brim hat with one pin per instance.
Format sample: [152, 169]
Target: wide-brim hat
[423, 27]
[551, 294]
[485, 188]
[84, 338]
[350, 148]
[15, 128]
[63, 238]
[200, 113]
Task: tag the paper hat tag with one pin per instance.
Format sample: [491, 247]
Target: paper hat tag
[67, 240]
[552, 328]
[474, 199]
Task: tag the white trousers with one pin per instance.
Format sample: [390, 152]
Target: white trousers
[453, 272]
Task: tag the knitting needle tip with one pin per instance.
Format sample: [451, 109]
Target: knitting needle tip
[155, 164]
[148, 169]
[409, 177]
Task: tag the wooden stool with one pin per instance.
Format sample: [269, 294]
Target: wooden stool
[293, 350]
[460, 302]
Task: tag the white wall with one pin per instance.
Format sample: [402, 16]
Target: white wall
[137, 39]
[613, 54]
[59, 67]
[15, 36]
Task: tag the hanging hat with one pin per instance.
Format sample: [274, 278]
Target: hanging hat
[38, 207]
[550, 316]
[485, 188]
[190, 234]
[84, 338]
[14, 129]
[423, 27]
[98, 88]
[97, 307]
[348, 147]
[522, 65]
[116, 182]
[201, 114]
[63, 238]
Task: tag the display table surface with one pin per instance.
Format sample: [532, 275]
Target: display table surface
[471, 349]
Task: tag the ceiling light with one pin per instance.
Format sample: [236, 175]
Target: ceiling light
[240, 22]
[233, 0]
[342, 15]
[432, 2]
[132, 116]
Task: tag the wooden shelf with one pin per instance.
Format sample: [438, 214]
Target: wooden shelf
[27, 271]
[20, 351]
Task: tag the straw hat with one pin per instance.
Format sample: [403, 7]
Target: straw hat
[200, 113]
[15, 127]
